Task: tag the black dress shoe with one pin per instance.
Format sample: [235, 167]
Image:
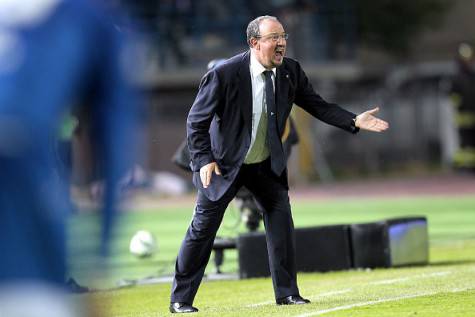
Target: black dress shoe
[292, 300]
[182, 308]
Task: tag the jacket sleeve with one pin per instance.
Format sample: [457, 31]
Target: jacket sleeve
[199, 120]
[310, 101]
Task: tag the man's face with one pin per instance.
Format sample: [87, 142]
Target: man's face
[269, 48]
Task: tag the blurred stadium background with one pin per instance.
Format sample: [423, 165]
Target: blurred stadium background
[398, 55]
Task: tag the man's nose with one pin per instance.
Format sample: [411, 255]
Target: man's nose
[281, 40]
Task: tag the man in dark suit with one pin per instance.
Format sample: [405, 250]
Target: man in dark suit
[234, 132]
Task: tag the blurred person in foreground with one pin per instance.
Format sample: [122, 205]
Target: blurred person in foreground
[234, 131]
[53, 54]
[463, 96]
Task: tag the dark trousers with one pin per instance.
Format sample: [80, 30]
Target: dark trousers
[271, 193]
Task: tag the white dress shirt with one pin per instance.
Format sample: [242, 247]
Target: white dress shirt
[258, 96]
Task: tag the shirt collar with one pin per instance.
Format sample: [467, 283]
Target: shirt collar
[257, 68]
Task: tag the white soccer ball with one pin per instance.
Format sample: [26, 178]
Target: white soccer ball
[143, 244]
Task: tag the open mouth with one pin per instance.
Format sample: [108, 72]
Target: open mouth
[279, 53]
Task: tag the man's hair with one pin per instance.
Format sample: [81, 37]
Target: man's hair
[253, 27]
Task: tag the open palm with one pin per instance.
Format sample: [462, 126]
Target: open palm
[367, 121]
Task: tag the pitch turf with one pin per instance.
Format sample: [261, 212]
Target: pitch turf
[445, 287]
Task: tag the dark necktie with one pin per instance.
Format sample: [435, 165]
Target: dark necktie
[275, 145]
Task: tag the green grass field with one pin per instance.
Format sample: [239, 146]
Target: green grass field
[445, 287]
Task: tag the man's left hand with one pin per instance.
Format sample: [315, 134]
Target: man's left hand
[367, 121]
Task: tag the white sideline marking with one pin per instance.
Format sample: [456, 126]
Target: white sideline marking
[261, 303]
[374, 302]
[312, 297]
[392, 281]
[343, 291]
[409, 278]
[382, 282]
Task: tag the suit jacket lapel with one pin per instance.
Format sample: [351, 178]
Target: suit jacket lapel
[244, 87]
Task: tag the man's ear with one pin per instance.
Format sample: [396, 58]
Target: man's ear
[253, 42]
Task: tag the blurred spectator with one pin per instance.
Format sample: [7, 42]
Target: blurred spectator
[53, 54]
[463, 95]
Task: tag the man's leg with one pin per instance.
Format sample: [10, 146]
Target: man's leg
[196, 248]
[271, 193]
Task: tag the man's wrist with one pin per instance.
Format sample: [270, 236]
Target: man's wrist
[354, 127]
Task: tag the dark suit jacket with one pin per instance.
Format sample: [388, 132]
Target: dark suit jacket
[219, 123]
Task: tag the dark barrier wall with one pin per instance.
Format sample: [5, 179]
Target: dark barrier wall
[387, 243]
[321, 249]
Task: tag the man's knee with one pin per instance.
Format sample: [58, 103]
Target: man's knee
[204, 226]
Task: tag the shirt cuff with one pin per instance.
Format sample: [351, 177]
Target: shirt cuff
[354, 129]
